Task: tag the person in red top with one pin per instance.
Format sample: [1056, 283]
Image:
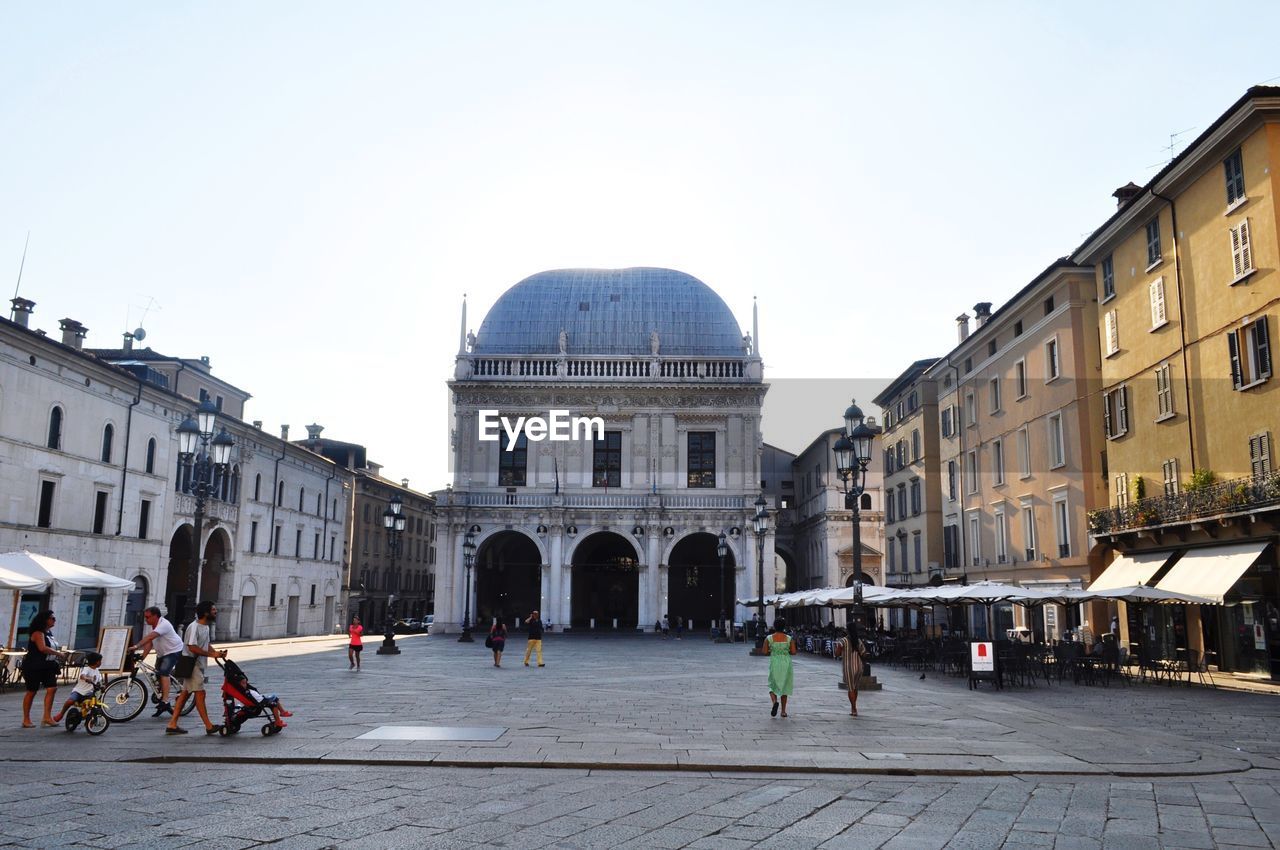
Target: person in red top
[356, 646]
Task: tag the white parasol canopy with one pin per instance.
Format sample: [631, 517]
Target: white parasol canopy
[10, 580]
[44, 569]
[1139, 594]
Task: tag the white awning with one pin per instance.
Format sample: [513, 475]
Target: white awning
[1212, 571]
[1129, 570]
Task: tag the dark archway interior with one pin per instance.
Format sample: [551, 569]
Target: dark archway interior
[696, 590]
[178, 587]
[606, 583]
[508, 579]
[215, 564]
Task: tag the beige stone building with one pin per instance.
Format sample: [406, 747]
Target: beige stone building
[1020, 444]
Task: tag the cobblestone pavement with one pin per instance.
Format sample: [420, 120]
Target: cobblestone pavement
[1059, 765]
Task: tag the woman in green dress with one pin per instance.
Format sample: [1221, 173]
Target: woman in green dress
[781, 675]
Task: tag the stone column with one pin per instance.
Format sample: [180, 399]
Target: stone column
[552, 598]
[652, 586]
[644, 580]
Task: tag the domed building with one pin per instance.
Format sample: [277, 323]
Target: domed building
[617, 524]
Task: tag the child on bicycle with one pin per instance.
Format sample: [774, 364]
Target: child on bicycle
[86, 683]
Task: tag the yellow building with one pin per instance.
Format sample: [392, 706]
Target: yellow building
[1188, 292]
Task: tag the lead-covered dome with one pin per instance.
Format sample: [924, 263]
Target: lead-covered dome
[611, 311]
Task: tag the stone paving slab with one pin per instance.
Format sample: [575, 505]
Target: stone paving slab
[690, 706]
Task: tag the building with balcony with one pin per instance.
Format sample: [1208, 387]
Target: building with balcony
[617, 525]
[1186, 280]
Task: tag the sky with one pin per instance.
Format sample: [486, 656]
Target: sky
[304, 192]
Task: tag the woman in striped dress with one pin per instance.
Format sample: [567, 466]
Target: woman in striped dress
[851, 650]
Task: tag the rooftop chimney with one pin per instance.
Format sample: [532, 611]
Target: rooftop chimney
[313, 431]
[22, 310]
[204, 358]
[72, 333]
[1126, 193]
[284, 432]
[982, 312]
[257, 423]
[128, 342]
[404, 482]
[962, 326]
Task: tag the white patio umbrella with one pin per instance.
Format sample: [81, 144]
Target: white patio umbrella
[44, 570]
[1139, 594]
[17, 582]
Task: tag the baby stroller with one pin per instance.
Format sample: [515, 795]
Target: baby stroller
[241, 702]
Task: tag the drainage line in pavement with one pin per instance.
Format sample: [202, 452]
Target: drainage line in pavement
[668, 768]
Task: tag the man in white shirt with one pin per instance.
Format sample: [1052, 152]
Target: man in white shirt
[168, 647]
[198, 640]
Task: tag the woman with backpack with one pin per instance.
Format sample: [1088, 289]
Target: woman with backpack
[497, 641]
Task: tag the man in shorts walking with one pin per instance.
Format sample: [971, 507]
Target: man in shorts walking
[198, 643]
[168, 646]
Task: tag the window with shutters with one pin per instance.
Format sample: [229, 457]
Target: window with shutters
[915, 445]
[1153, 243]
[1260, 454]
[1249, 350]
[1108, 279]
[919, 555]
[975, 540]
[970, 409]
[948, 418]
[1233, 171]
[1002, 537]
[1115, 412]
[1122, 489]
[1024, 453]
[971, 472]
[916, 502]
[1029, 531]
[1057, 442]
[997, 461]
[1051, 365]
[890, 510]
[1062, 525]
[1164, 392]
[951, 480]
[902, 453]
[1241, 252]
[951, 547]
[1112, 336]
[1159, 317]
[1169, 473]
[1020, 378]
[902, 501]
[892, 559]
[993, 389]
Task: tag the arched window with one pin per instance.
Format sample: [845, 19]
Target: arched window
[108, 437]
[257, 487]
[55, 428]
[302, 494]
[866, 502]
[151, 455]
[280, 495]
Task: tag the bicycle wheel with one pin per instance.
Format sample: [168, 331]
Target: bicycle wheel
[96, 723]
[72, 718]
[124, 699]
[175, 687]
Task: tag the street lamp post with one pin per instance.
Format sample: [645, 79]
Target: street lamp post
[468, 561]
[207, 455]
[726, 629]
[853, 456]
[760, 524]
[393, 520]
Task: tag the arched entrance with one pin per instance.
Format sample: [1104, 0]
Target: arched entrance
[694, 588]
[178, 588]
[508, 578]
[790, 572]
[606, 582]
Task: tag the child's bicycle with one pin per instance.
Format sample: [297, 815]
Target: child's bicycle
[92, 712]
[127, 695]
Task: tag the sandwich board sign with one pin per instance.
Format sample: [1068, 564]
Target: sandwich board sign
[982, 663]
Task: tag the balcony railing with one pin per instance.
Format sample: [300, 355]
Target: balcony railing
[1240, 495]
[595, 500]
[213, 508]
[551, 368]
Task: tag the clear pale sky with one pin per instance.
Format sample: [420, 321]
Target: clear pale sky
[303, 192]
